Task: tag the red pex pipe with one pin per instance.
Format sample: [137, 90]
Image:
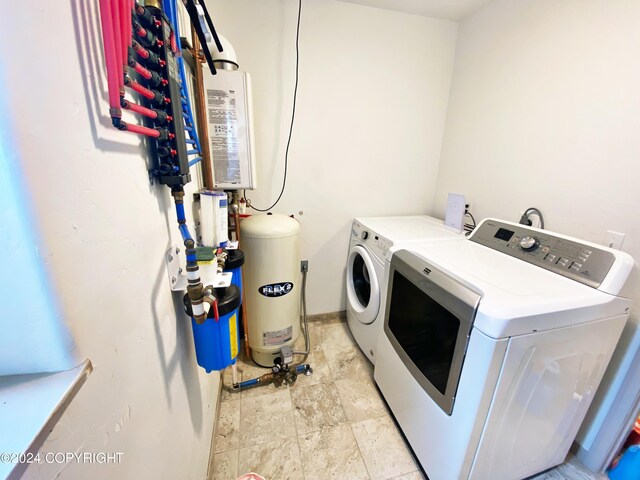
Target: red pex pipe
[110, 58]
[134, 107]
[145, 92]
[117, 33]
[149, 132]
[125, 28]
[142, 71]
[140, 50]
[174, 44]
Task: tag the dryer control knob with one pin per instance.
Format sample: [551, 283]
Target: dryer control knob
[364, 235]
[529, 244]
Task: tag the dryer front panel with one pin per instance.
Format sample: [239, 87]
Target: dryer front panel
[546, 385]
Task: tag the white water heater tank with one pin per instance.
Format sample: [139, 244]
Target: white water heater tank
[272, 282]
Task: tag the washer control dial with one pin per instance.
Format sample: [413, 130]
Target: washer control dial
[529, 244]
[364, 235]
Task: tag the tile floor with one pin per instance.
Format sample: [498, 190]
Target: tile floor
[330, 425]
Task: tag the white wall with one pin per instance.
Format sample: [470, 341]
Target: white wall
[105, 231]
[544, 111]
[24, 311]
[369, 120]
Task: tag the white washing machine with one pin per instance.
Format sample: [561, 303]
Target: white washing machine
[493, 347]
[371, 239]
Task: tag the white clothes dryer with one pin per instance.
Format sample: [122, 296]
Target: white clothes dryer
[493, 347]
[371, 239]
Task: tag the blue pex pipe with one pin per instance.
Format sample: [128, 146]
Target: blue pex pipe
[171, 10]
[180, 211]
[184, 231]
[248, 383]
[255, 381]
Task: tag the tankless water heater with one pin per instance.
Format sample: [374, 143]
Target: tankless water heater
[230, 125]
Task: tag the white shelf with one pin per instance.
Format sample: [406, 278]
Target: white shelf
[30, 405]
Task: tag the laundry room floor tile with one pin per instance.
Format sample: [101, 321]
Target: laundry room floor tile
[332, 454]
[225, 465]
[332, 335]
[383, 449]
[333, 424]
[316, 407]
[266, 418]
[348, 363]
[360, 399]
[321, 372]
[279, 459]
[228, 427]
[417, 475]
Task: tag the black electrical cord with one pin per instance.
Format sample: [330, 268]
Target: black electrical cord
[195, 21]
[467, 226]
[525, 220]
[293, 115]
[472, 219]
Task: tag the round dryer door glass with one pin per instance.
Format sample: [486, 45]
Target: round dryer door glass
[363, 291]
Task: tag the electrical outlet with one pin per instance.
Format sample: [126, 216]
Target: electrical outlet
[455, 212]
[615, 239]
[304, 265]
[467, 207]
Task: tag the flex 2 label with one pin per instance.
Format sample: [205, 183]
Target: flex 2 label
[276, 289]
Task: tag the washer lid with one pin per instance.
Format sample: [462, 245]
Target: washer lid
[408, 228]
[517, 297]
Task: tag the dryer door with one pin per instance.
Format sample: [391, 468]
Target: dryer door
[428, 322]
[363, 288]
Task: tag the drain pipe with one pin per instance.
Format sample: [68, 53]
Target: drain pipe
[234, 374]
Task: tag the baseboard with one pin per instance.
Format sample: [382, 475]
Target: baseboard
[212, 450]
[331, 317]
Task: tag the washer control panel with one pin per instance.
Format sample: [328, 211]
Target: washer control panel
[377, 243]
[382, 244]
[571, 258]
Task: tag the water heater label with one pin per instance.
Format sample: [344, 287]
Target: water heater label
[276, 289]
[277, 337]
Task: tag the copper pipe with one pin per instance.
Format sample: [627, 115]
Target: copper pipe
[201, 113]
[245, 327]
